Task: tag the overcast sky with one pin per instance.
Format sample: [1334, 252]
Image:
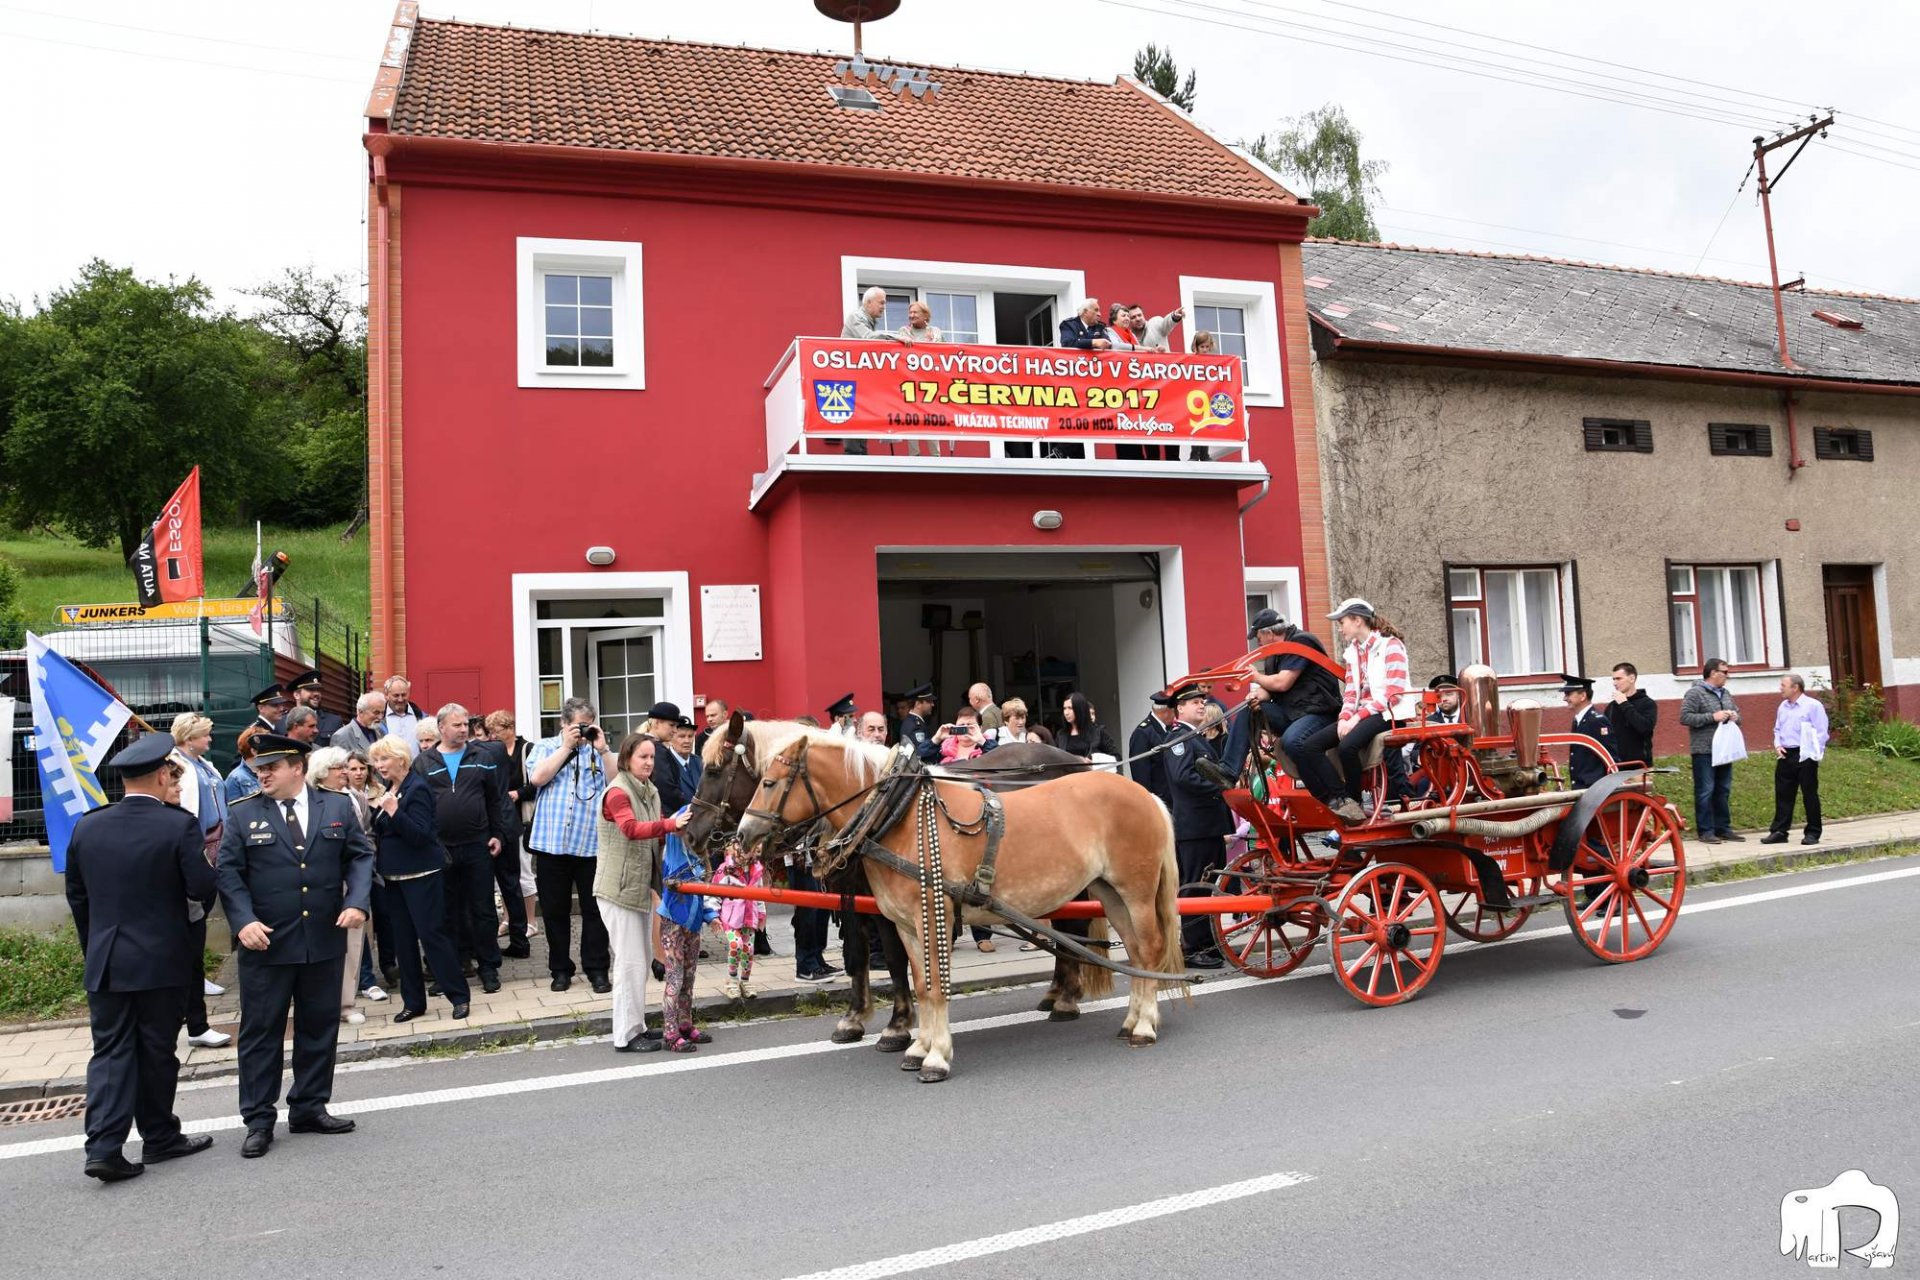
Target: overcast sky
[222, 140]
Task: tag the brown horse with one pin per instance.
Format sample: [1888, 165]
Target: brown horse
[1091, 831]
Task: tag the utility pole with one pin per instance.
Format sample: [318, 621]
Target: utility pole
[1761, 147]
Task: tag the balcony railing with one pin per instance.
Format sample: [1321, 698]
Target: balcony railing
[836, 404]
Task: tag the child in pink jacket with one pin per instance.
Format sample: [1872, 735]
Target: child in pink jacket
[740, 917]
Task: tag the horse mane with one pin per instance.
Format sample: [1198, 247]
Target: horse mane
[866, 761]
[716, 747]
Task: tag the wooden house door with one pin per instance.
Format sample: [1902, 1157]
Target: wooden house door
[1853, 626]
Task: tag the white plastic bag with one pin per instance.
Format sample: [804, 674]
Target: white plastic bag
[1728, 744]
[1811, 747]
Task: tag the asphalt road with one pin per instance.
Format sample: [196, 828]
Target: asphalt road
[1533, 1113]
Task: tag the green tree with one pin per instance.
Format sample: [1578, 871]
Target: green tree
[121, 387]
[1319, 154]
[13, 623]
[319, 335]
[1154, 67]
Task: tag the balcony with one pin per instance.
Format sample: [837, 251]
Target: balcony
[848, 406]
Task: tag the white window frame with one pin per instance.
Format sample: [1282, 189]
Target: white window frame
[1565, 658]
[533, 258]
[1067, 286]
[1281, 586]
[1772, 626]
[1265, 371]
[675, 623]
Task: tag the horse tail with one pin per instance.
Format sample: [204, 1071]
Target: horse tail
[1096, 980]
[1167, 906]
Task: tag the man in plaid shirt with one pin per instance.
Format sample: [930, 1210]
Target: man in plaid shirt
[568, 772]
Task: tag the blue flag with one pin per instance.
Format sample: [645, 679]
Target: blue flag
[75, 723]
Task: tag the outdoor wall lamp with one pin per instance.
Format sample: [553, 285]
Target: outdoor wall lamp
[1047, 519]
[599, 556]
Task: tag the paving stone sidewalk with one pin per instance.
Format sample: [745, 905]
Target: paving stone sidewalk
[43, 1059]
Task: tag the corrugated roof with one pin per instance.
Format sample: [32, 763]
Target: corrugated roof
[507, 85]
[1398, 294]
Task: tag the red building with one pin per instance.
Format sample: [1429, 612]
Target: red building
[590, 259]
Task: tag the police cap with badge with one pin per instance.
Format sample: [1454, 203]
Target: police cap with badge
[272, 695]
[1576, 684]
[919, 693]
[145, 755]
[844, 707]
[269, 747]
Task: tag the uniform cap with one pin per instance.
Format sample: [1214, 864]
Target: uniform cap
[1161, 699]
[844, 707]
[919, 693]
[272, 693]
[146, 754]
[1575, 684]
[1443, 681]
[1187, 693]
[277, 746]
[305, 680]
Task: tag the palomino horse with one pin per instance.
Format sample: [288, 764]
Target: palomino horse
[1090, 831]
[726, 792]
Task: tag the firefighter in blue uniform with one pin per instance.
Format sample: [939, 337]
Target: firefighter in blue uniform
[270, 706]
[131, 868]
[295, 870]
[304, 689]
[1201, 819]
[914, 734]
[1150, 771]
[1583, 765]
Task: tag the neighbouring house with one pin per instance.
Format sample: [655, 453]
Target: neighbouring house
[1556, 466]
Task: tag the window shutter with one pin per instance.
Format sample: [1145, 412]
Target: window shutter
[1643, 437]
[1863, 448]
[1763, 441]
[1717, 438]
[1592, 430]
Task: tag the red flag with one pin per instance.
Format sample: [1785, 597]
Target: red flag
[167, 565]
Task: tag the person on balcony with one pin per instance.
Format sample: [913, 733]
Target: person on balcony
[1120, 332]
[1083, 330]
[1155, 334]
[864, 322]
[920, 328]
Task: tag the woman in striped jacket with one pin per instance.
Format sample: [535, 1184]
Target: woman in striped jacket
[1376, 661]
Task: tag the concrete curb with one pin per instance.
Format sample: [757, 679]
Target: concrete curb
[561, 1027]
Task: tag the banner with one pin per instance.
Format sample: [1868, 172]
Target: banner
[6, 759]
[74, 615]
[75, 723]
[871, 388]
[166, 566]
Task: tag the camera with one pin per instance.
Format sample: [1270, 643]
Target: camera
[589, 733]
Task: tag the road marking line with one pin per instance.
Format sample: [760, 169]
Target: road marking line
[1027, 1237]
[750, 1057]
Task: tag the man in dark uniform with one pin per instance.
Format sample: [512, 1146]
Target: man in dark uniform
[1583, 765]
[131, 868]
[295, 870]
[1201, 819]
[914, 734]
[1150, 771]
[843, 715]
[1446, 711]
[270, 707]
[304, 689]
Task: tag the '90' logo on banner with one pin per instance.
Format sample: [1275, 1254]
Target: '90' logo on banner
[834, 400]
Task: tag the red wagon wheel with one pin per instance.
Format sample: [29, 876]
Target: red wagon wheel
[1624, 888]
[1264, 944]
[1387, 934]
[1467, 917]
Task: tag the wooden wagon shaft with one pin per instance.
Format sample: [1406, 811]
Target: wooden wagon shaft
[1242, 904]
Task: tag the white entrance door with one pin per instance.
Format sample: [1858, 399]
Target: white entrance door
[623, 670]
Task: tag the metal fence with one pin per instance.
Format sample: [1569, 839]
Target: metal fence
[209, 667]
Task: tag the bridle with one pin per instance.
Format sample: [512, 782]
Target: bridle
[797, 772]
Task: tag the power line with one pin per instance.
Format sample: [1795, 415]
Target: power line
[1743, 106]
[1724, 216]
[1559, 235]
[360, 60]
[1447, 65]
[199, 62]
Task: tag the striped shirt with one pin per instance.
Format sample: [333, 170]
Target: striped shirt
[566, 817]
[1376, 677]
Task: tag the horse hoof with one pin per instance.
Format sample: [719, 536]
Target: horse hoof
[1063, 1015]
[1045, 1005]
[1140, 1042]
[1125, 1033]
[932, 1075]
[893, 1044]
[911, 1063]
[848, 1035]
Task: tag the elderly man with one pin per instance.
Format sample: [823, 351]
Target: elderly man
[864, 321]
[1084, 330]
[872, 728]
[980, 698]
[361, 732]
[469, 799]
[402, 718]
[1799, 741]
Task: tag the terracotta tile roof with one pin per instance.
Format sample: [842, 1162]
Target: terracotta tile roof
[508, 85]
[1513, 303]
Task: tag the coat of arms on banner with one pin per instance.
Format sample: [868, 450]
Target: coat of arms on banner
[834, 400]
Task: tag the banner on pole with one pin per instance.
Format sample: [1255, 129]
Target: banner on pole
[167, 565]
[75, 723]
[6, 759]
[74, 615]
[851, 387]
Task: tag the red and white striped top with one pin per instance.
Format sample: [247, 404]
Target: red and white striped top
[1376, 676]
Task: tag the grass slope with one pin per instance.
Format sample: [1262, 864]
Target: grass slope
[1853, 784]
[56, 571]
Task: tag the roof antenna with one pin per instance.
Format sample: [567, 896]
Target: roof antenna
[856, 12]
